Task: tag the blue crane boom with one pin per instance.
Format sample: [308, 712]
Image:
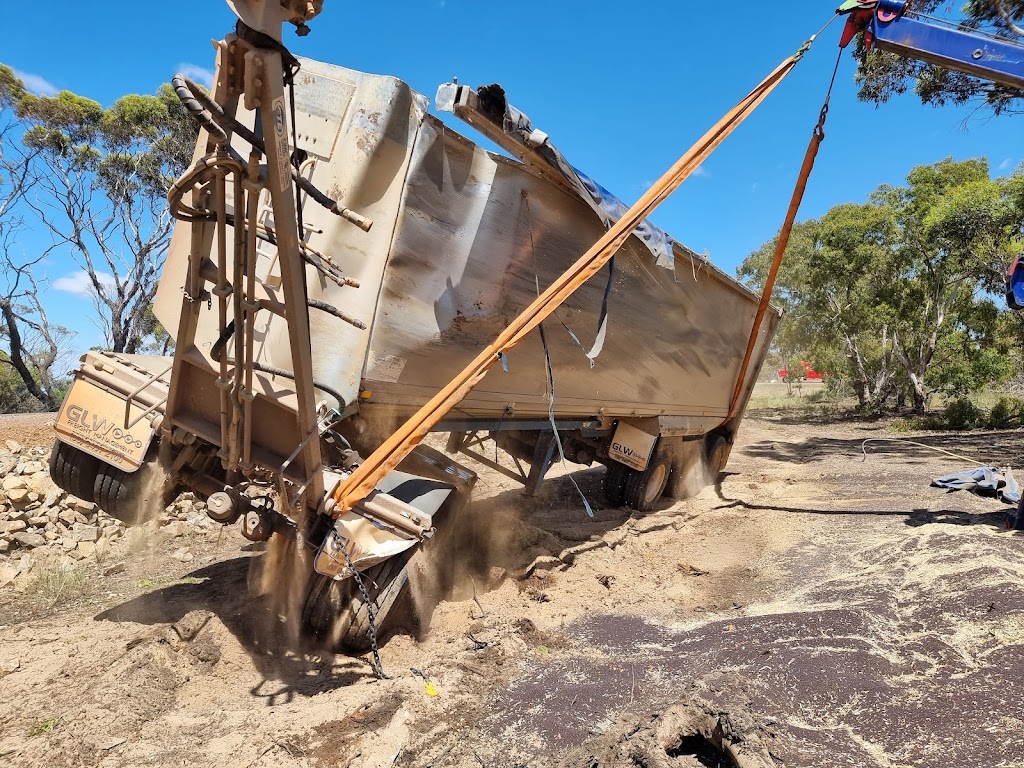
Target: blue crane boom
[890, 25]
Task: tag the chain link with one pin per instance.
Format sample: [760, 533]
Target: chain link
[371, 616]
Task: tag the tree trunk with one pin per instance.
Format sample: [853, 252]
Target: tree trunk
[919, 395]
[861, 384]
[17, 360]
[916, 373]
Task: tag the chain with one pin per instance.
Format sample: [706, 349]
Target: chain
[371, 616]
[819, 129]
[810, 41]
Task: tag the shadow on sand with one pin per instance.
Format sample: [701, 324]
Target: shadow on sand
[290, 664]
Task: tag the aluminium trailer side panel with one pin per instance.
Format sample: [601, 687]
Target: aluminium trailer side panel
[476, 235]
[357, 131]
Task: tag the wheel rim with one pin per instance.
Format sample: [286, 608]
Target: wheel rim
[655, 483]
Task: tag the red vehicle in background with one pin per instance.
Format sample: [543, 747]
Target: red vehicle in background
[808, 374]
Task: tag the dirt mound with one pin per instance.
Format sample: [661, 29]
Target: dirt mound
[810, 609]
[687, 735]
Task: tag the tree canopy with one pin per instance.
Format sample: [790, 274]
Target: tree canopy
[898, 293]
[880, 75]
[95, 179]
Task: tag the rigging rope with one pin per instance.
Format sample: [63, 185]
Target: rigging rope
[864, 449]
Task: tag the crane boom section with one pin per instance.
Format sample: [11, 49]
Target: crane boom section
[991, 58]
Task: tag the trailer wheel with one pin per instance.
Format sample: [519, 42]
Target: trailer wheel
[614, 483]
[643, 489]
[131, 497]
[337, 610]
[718, 449]
[74, 470]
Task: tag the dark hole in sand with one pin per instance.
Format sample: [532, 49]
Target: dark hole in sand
[706, 753]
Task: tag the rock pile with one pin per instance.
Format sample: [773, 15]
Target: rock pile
[39, 521]
[36, 513]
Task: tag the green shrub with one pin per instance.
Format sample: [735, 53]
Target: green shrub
[916, 424]
[961, 413]
[1005, 412]
[1001, 413]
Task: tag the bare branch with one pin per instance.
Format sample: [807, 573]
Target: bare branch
[1007, 18]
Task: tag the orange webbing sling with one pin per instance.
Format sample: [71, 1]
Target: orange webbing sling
[817, 137]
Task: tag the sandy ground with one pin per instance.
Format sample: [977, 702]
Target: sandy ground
[29, 429]
[810, 609]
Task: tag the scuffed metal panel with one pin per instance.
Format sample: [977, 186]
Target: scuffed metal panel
[477, 234]
[359, 130]
[490, 111]
[461, 240]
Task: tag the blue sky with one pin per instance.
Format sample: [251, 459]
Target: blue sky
[623, 89]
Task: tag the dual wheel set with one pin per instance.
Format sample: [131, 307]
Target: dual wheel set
[117, 493]
[672, 471]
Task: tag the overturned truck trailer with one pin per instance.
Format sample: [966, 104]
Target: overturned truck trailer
[636, 371]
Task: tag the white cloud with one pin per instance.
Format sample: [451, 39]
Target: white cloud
[201, 75]
[79, 284]
[701, 172]
[36, 84]
[1006, 164]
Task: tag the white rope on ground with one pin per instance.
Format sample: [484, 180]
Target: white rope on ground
[863, 448]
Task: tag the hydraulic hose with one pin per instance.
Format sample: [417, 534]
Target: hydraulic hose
[215, 120]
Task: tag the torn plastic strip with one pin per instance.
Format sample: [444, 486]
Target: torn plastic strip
[551, 414]
[518, 126]
[602, 322]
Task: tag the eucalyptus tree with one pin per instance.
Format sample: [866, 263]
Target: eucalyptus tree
[902, 286]
[102, 180]
[30, 346]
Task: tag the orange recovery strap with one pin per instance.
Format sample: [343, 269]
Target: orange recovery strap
[773, 272]
[817, 137]
[365, 478]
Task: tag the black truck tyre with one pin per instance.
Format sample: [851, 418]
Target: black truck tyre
[337, 610]
[132, 497]
[74, 470]
[717, 451]
[644, 489]
[614, 483]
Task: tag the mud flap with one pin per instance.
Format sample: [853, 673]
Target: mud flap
[632, 446]
[94, 420]
[395, 518]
